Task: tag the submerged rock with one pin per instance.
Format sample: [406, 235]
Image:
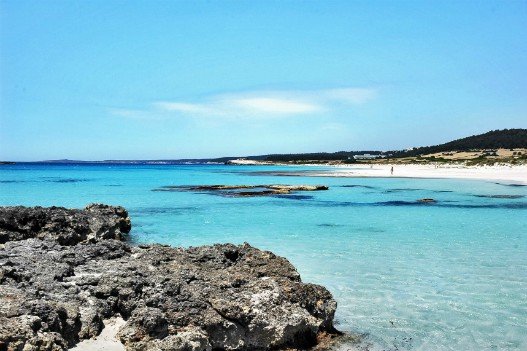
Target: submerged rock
[501, 196]
[62, 272]
[244, 190]
[427, 200]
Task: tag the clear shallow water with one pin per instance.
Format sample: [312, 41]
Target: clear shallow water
[444, 276]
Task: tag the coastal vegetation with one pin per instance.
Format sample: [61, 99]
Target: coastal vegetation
[499, 146]
[344, 156]
[490, 141]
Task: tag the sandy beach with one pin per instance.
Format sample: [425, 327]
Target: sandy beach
[107, 340]
[511, 174]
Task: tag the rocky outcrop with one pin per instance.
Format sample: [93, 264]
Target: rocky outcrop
[62, 272]
[66, 226]
[244, 190]
[427, 201]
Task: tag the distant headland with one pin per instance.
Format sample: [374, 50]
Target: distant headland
[506, 146]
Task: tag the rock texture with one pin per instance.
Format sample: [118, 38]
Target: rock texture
[67, 227]
[63, 271]
[244, 190]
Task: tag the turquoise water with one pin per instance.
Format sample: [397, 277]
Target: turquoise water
[445, 276]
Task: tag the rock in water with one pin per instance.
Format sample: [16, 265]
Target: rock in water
[244, 190]
[427, 201]
[63, 271]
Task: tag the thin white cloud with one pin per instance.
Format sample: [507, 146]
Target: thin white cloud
[184, 107]
[274, 105]
[259, 104]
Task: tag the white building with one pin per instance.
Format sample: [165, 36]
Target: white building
[368, 157]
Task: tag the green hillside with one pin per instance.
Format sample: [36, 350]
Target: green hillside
[496, 139]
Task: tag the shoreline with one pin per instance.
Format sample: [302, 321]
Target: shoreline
[502, 172]
[514, 174]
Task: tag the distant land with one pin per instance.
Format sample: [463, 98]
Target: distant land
[507, 145]
[495, 139]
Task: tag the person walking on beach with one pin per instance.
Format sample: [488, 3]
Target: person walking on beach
[391, 171]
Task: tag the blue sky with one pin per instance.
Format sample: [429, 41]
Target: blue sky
[176, 79]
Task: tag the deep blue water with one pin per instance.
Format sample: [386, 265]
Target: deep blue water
[450, 275]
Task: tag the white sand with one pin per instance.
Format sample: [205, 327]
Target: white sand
[511, 174]
[245, 162]
[106, 341]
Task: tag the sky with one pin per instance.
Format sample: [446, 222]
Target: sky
[109, 79]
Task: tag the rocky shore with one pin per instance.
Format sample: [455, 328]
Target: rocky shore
[62, 272]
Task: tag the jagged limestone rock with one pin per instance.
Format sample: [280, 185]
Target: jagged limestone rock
[63, 271]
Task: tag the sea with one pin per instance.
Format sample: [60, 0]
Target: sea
[407, 275]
